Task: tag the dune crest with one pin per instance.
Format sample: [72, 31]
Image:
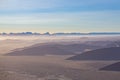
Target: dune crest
[112, 53]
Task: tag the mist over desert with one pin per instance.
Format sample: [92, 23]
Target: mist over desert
[53, 65]
[59, 39]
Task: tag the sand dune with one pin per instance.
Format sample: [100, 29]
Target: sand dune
[99, 54]
[52, 49]
[112, 67]
[40, 50]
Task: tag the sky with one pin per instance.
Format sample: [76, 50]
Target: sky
[60, 16]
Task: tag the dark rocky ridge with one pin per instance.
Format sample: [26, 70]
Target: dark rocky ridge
[112, 53]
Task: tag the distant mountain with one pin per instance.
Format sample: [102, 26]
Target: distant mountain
[112, 67]
[62, 33]
[91, 33]
[104, 33]
[112, 53]
[67, 33]
[20, 33]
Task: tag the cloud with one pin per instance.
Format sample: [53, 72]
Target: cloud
[62, 22]
[98, 18]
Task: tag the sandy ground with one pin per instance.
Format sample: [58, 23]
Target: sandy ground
[55, 68]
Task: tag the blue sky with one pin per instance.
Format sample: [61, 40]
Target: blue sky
[60, 15]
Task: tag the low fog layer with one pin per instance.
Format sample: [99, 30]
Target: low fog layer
[54, 66]
[9, 43]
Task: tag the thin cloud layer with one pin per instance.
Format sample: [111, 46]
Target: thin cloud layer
[74, 21]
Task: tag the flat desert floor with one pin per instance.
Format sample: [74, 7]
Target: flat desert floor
[53, 68]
